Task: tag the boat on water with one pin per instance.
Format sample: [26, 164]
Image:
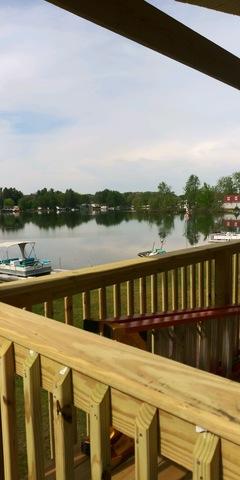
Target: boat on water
[154, 252]
[26, 264]
[224, 237]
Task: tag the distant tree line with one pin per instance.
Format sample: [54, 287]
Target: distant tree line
[195, 195]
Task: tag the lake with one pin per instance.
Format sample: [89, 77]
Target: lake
[74, 239]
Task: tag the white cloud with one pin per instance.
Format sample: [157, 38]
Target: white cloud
[126, 117]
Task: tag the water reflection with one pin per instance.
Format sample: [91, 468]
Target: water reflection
[75, 239]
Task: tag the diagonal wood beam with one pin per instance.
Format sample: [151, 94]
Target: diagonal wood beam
[145, 24]
[227, 6]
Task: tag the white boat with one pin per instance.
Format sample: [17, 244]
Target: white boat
[224, 237]
[24, 265]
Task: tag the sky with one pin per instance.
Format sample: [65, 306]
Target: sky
[83, 108]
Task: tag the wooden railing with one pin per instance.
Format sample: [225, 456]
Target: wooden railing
[160, 403]
[196, 277]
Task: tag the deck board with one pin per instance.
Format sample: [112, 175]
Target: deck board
[167, 470]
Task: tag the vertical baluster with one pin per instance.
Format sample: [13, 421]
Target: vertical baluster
[100, 418]
[235, 278]
[179, 343]
[238, 277]
[208, 281]
[200, 271]
[192, 286]
[174, 285]
[33, 417]
[102, 301]
[206, 457]
[116, 300]
[63, 426]
[191, 345]
[146, 443]
[227, 346]
[86, 305]
[49, 312]
[8, 411]
[183, 287]
[223, 278]
[142, 295]
[152, 336]
[130, 297]
[68, 310]
[154, 299]
[205, 332]
[164, 291]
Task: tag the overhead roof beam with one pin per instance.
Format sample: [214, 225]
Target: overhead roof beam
[227, 6]
[145, 24]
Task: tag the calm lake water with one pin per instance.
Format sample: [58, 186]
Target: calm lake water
[74, 240]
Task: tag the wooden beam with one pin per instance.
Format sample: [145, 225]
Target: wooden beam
[227, 6]
[145, 24]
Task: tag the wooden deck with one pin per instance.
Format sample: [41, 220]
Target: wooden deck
[166, 470]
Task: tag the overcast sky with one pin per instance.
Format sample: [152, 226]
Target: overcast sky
[82, 108]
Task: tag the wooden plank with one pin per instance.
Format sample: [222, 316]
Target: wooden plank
[68, 283]
[134, 372]
[102, 301]
[63, 426]
[160, 33]
[146, 443]
[200, 273]
[100, 415]
[33, 417]
[223, 278]
[86, 305]
[68, 310]
[183, 273]
[8, 411]
[130, 297]
[154, 293]
[177, 436]
[192, 285]
[208, 281]
[164, 291]
[49, 313]
[116, 300]
[174, 289]
[206, 457]
[48, 309]
[142, 295]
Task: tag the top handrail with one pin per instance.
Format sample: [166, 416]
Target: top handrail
[76, 281]
[167, 385]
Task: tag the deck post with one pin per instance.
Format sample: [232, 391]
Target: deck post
[63, 424]
[206, 457]
[33, 417]
[100, 421]
[8, 411]
[146, 443]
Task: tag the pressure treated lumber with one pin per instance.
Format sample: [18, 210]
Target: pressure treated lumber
[42, 289]
[33, 418]
[8, 411]
[130, 371]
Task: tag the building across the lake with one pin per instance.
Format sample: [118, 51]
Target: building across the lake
[231, 202]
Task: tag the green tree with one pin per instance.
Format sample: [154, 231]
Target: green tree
[191, 190]
[8, 202]
[225, 185]
[236, 182]
[207, 197]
